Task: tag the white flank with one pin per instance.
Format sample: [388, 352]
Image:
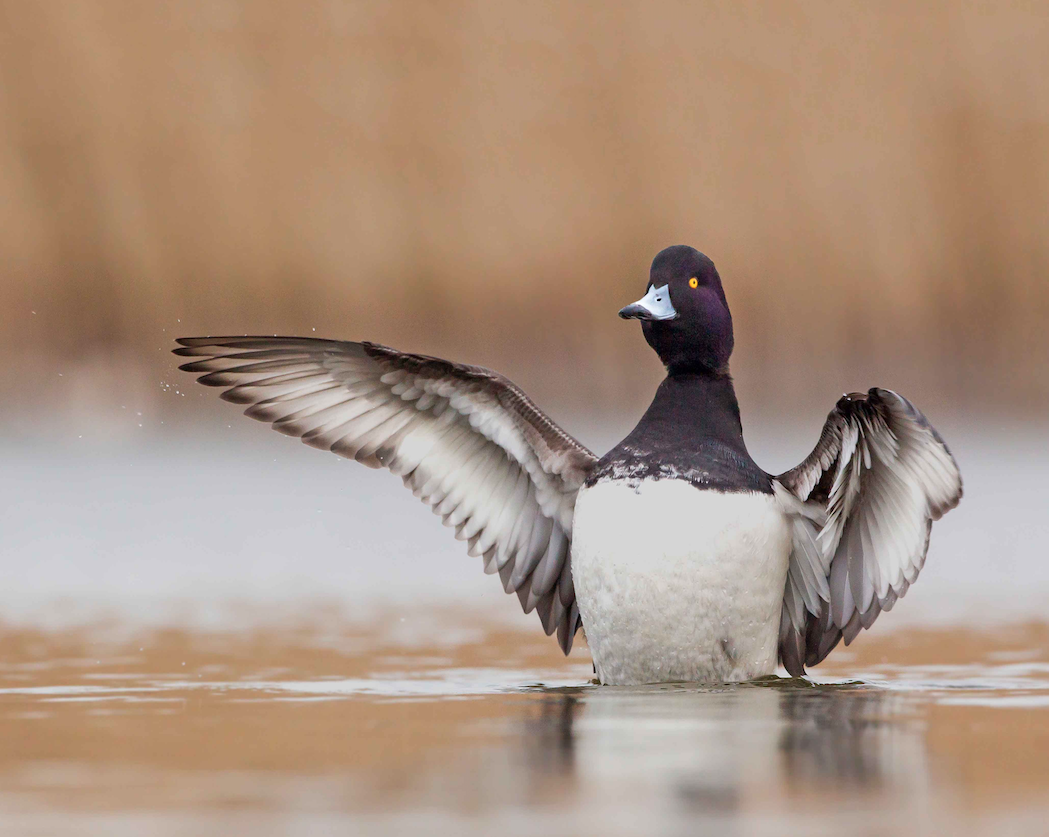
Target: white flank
[679, 584]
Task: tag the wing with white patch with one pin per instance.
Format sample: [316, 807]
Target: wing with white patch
[465, 439]
[861, 507]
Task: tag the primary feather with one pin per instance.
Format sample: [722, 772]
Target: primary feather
[466, 440]
[861, 505]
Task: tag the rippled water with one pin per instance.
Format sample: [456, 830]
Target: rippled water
[405, 730]
[254, 638]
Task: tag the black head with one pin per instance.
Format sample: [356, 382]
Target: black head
[684, 314]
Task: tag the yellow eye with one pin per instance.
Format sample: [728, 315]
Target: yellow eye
[693, 282]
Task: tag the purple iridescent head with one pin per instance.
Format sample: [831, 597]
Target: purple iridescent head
[684, 314]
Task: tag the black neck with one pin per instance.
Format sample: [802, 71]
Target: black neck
[691, 432]
[703, 402]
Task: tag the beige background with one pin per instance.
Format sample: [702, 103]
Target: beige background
[490, 180]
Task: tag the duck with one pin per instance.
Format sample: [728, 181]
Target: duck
[677, 556]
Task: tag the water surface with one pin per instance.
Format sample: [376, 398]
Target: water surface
[403, 728]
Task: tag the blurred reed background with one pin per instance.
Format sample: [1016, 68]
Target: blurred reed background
[490, 180]
[209, 630]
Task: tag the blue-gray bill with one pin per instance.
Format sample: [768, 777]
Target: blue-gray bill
[654, 305]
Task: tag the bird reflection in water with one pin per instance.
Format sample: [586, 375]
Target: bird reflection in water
[723, 752]
[851, 736]
[550, 735]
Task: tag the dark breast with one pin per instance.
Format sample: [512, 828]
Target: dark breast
[690, 432]
[708, 464]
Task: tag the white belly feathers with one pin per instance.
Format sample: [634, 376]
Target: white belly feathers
[679, 584]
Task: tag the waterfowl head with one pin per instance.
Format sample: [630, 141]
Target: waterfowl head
[684, 314]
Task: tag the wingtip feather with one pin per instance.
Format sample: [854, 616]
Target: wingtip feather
[283, 381]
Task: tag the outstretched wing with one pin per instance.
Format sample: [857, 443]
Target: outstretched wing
[466, 440]
[861, 506]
